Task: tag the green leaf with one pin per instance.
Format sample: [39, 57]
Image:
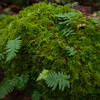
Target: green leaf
[1, 56]
[8, 85]
[58, 79]
[36, 95]
[12, 48]
[43, 75]
[70, 50]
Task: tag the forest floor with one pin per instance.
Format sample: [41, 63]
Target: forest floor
[5, 10]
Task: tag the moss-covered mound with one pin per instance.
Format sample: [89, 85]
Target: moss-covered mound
[44, 47]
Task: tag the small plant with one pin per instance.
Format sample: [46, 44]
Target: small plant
[67, 31]
[70, 50]
[1, 56]
[98, 13]
[64, 23]
[2, 16]
[96, 21]
[43, 74]
[72, 4]
[8, 84]
[75, 4]
[36, 95]
[66, 18]
[55, 80]
[12, 48]
[62, 1]
[58, 79]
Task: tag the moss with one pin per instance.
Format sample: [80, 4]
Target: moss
[42, 48]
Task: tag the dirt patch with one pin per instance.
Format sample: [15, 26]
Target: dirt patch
[86, 10]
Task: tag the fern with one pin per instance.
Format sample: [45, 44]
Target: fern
[36, 95]
[72, 4]
[8, 85]
[21, 81]
[64, 23]
[65, 1]
[62, 1]
[98, 13]
[96, 21]
[67, 31]
[1, 56]
[55, 79]
[70, 50]
[66, 17]
[12, 48]
[43, 75]
[58, 79]
[75, 4]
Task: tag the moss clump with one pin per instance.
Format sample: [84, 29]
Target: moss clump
[43, 48]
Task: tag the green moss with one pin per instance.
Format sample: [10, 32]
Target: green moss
[43, 48]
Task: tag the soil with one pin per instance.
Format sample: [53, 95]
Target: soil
[17, 95]
[9, 9]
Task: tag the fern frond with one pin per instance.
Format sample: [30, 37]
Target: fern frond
[12, 48]
[58, 79]
[75, 4]
[64, 23]
[43, 75]
[1, 56]
[70, 50]
[96, 21]
[67, 31]
[36, 95]
[21, 81]
[66, 17]
[8, 85]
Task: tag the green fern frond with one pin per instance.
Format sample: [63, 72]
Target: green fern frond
[1, 56]
[43, 74]
[70, 50]
[12, 48]
[58, 79]
[75, 4]
[67, 31]
[36, 95]
[96, 21]
[21, 81]
[8, 85]
[68, 17]
[64, 23]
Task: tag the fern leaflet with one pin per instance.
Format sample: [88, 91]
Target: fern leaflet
[12, 48]
[70, 50]
[36, 95]
[67, 31]
[65, 22]
[43, 74]
[58, 79]
[1, 56]
[8, 85]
